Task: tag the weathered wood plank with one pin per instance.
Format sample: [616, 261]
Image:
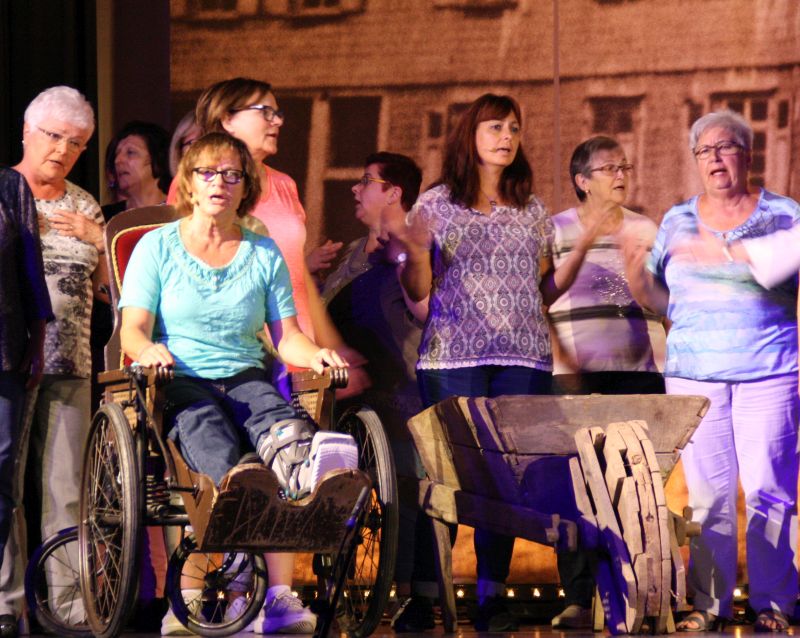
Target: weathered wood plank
[248, 513]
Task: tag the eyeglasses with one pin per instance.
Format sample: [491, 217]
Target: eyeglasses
[74, 145]
[724, 148]
[267, 111]
[613, 169]
[229, 175]
[366, 179]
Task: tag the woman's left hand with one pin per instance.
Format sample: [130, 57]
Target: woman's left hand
[326, 356]
[79, 226]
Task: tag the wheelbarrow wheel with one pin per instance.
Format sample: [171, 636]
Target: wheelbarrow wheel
[369, 577]
[634, 567]
[52, 586]
[215, 594]
[110, 515]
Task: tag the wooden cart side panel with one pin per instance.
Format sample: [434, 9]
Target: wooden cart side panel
[522, 420]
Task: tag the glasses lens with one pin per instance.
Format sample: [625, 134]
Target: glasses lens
[206, 174]
[231, 176]
[728, 148]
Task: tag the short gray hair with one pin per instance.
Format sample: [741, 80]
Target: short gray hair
[727, 119]
[62, 103]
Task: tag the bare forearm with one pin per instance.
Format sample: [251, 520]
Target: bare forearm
[558, 280]
[133, 341]
[417, 276]
[297, 350]
[649, 293]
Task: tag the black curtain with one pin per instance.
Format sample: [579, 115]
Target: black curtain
[44, 43]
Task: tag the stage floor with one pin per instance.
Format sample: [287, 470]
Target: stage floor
[528, 631]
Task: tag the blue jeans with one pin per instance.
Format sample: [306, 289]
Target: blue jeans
[215, 421]
[493, 551]
[12, 394]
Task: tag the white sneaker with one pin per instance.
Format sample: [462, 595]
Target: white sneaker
[171, 626]
[285, 614]
[235, 609]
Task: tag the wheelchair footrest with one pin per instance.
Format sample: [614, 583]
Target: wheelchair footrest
[250, 513]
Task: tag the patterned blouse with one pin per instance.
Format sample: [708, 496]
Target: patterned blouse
[485, 305]
[68, 267]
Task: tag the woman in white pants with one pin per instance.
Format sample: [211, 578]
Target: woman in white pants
[735, 342]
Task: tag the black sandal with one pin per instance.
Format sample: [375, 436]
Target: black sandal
[771, 621]
[699, 621]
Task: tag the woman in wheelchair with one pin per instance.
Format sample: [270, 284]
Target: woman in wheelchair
[196, 293]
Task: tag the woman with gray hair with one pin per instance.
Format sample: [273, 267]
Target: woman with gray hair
[734, 342]
[58, 124]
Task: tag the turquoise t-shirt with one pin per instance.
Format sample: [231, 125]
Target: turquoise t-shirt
[725, 326]
[208, 317]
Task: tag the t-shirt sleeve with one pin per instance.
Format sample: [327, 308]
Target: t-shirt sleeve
[141, 287]
[656, 260]
[279, 300]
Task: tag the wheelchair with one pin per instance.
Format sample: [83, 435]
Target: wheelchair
[133, 476]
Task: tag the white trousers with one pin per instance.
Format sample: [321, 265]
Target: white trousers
[749, 434]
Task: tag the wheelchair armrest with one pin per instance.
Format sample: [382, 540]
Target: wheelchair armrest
[315, 393]
[310, 381]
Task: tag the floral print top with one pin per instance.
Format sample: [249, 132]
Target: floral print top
[485, 304]
[68, 267]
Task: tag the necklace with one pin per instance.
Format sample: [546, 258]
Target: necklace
[492, 200]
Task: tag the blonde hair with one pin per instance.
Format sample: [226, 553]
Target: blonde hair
[214, 144]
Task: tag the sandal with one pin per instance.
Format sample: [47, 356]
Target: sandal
[771, 621]
[698, 621]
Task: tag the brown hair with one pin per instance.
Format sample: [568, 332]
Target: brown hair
[460, 164]
[219, 99]
[214, 144]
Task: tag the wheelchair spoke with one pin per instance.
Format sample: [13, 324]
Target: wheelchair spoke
[110, 522]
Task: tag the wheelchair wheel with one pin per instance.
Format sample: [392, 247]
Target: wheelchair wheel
[52, 587]
[206, 590]
[369, 581]
[110, 515]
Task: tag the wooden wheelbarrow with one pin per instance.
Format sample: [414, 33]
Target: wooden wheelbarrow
[572, 472]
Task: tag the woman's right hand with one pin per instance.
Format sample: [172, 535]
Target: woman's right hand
[155, 355]
[409, 229]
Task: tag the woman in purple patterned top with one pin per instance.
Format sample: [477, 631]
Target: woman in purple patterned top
[478, 243]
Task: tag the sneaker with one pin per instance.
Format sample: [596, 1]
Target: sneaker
[573, 617]
[171, 626]
[414, 615]
[285, 614]
[493, 615]
[235, 609]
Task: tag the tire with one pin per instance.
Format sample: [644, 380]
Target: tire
[110, 522]
[216, 576]
[369, 579]
[52, 586]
